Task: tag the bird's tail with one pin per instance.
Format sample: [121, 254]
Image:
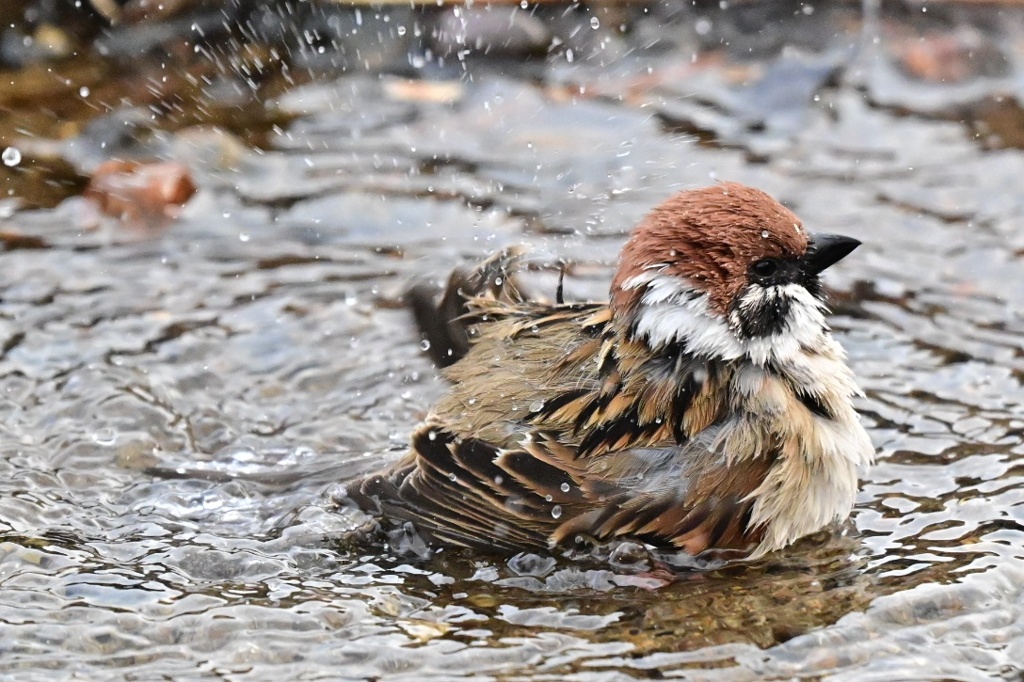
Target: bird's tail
[444, 323]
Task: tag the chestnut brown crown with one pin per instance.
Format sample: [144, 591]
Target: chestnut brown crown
[710, 237]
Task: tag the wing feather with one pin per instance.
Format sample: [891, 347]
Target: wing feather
[618, 448]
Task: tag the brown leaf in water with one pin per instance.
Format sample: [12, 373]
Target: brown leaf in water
[140, 193]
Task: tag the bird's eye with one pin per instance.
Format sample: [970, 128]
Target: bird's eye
[765, 268]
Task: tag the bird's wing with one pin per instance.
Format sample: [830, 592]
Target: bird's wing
[467, 492]
[566, 369]
[686, 497]
[555, 428]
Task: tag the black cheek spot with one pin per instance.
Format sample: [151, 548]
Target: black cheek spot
[765, 319]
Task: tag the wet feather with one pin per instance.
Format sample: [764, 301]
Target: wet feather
[700, 408]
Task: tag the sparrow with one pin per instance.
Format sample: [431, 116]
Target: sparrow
[704, 408]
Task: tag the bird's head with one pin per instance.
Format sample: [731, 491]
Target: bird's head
[725, 271]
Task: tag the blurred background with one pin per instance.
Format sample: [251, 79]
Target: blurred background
[210, 210]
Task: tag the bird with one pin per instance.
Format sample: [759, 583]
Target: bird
[705, 408]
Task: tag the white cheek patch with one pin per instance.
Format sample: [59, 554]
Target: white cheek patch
[667, 324]
[673, 313]
[659, 288]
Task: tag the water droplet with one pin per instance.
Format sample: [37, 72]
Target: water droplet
[432, 435]
[453, 478]
[764, 234]
[556, 511]
[244, 236]
[564, 487]
[211, 501]
[536, 406]
[11, 157]
[424, 345]
[548, 498]
[499, 479]
[595, 23]
[104, 437]
[83, 91]
[244, 456]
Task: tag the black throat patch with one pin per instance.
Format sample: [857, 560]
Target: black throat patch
[767, 316]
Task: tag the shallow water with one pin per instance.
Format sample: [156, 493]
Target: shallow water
[181, 404]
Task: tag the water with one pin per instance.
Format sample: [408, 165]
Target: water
[180, 405]
[11, 156]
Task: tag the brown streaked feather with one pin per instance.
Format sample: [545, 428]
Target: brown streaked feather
[442, 323]
[669, 519]
[562, 420]
[440, 508]
[654, 416]
[494, 459]
[445, 469]
[540, 477]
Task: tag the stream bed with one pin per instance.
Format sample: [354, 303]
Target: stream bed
[183, 397]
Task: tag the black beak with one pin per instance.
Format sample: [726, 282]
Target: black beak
[825, 250]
